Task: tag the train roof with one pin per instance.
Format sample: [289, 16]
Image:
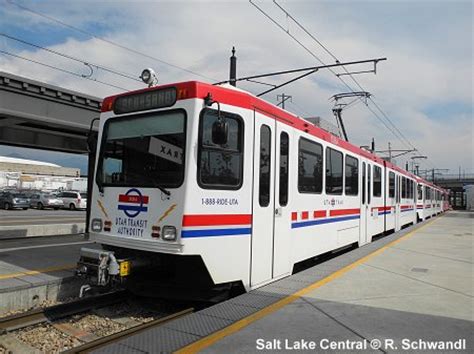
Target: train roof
[226, 94]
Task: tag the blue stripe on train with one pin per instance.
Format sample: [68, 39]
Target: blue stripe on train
[296, 225]
[216, 232]
[128, 207]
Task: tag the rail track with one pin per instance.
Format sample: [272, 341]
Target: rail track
[90, 346]
[56, 312]
[33, 327]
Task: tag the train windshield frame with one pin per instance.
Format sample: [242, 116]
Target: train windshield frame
[143, 150]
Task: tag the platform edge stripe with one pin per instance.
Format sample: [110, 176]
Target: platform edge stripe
[216, 219]
[37, 271]
[216, 336]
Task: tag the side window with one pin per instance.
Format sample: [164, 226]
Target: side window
[310, 167]
[352, 175]
[391, 185]
[377, 181]
[265, 160]
[220, 166]
[404, 187]
[334, 166]
[284, 153]
[420, 192]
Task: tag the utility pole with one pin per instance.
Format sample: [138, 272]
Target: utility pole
[434, 172]
[399, 152]
[282, 99]
[413, 162]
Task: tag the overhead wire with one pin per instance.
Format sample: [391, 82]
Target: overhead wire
[118, 45]
[397, 133]
[344, 68]
[61, 70]
[392, 128]
[104, 68]
[317, 58]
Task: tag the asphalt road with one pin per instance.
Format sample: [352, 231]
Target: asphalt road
[36, 217]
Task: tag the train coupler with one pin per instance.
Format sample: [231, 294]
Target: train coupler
[102, 267]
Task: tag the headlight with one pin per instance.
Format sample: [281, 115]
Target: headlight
[169, 233]
[96, 225]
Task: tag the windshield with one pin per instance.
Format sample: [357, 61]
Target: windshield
[83, 195]
[143, 150]
[19, 195]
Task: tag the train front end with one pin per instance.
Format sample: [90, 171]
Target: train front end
[144, 145]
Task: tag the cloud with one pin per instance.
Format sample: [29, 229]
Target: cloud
[428, 45]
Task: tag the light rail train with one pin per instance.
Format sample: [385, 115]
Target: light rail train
[213, 186]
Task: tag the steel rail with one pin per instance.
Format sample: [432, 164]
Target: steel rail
[53, 313]
[95, 344]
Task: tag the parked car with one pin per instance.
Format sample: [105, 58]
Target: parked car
[10, 200]
[73, 199]
[43, 200]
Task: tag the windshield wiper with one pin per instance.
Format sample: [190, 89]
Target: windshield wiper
[100, 185]
[162, 189]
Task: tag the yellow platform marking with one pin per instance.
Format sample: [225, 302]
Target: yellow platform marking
[166, 213]
[37, 271]
[237, 326]
[102, 208]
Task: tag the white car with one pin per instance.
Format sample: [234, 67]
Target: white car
[73, 199]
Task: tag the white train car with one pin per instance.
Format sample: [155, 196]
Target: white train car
[214, 186]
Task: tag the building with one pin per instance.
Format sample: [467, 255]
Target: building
[30, 174]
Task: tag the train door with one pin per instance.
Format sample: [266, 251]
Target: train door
[263, 200]
[397, 202]
[369, 217]
[415, 198]
[282, 216]
[364, 208]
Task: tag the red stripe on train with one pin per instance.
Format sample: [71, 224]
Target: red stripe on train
[133, 199]
[217, 219]
[387, 208]
[319, 214]
[338, 212]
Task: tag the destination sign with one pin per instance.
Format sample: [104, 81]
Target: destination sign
[143, 101]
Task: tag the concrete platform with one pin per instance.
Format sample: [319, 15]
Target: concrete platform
[38, 269]
[33, 222]
[401, 293]
[41, 230]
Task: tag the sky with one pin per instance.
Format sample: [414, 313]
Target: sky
[424, 87]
